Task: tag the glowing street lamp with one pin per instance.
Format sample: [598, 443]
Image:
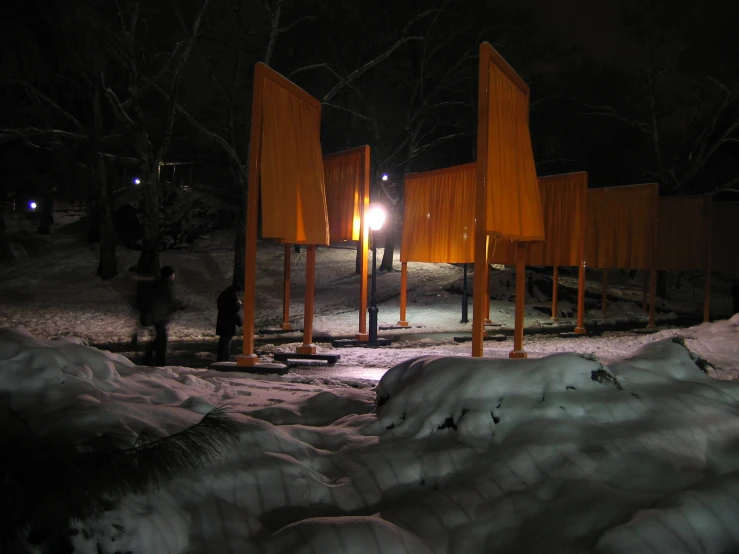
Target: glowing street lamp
[375, 220]
[384, 177]
[32, 205]
[137, 181]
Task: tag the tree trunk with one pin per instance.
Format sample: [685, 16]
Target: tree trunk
[150, 213]
[389, 254]
[240, 235]
[662, 285]
[108, 264]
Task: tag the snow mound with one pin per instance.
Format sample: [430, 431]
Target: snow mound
[556, 454]
[482, 398]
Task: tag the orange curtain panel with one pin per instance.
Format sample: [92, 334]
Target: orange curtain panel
[512, 200]
[725, 237]
[564, 202]
[344, 174]
[439, 218]
[502, 251]
[683, 234]
[622, 227]
[292, 186]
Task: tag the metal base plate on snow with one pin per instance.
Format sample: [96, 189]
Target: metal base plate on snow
[278, 331]
[345, 343]
[572, 335]
[259, 369]
[645, 330]
[292, 357]
[497, 338]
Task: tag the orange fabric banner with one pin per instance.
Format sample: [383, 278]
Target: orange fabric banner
[502, 251]
[564, 202]
[292, 186]
[439, 218]
[345, 184]
[725, 237]
[684, 232]
[621, 231]
[512, 197]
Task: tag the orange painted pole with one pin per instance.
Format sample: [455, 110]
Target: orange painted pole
[555, 292]
[286, 291]
[403, 294]
[310, 287]
[363, 335]
[652, 299]
[518, 352]
[480, 292]
[248, 358]
[604, 293]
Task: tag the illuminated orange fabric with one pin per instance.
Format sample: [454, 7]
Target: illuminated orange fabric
[725, 237]
[621, 227]
[344, 174]
[439, 220]
[501, 251]
[512, 194]
[292, 187]
[564, 201]
[684, 228]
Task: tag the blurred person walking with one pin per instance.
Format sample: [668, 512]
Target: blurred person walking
[162, 307]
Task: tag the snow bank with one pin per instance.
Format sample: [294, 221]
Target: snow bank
[450, 454]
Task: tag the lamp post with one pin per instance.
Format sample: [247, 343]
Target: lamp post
[375, 219]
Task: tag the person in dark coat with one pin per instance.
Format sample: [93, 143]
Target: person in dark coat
[229, 316]
[163, 306]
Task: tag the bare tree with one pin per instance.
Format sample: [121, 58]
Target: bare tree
[130, 113]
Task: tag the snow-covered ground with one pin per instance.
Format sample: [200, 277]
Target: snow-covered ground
[611, 443]
[561, 453]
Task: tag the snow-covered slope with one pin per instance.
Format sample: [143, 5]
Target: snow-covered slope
[556, 454]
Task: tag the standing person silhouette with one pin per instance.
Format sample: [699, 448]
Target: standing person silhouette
[229, 316]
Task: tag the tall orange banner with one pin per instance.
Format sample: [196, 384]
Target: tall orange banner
[346, 183]
[507, 200]
[292, 186]
[564, 205]
[621, 231]
[684, 233]
[438, 223]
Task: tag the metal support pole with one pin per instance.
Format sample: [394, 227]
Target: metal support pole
[465, 298]
[373, 298]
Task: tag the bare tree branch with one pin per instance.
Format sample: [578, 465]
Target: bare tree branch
[42, 97]
[210, 134]
[367, 66]
[335, 107]
[287, 28]
[169, 129]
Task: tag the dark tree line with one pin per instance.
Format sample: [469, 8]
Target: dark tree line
[106, 85]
